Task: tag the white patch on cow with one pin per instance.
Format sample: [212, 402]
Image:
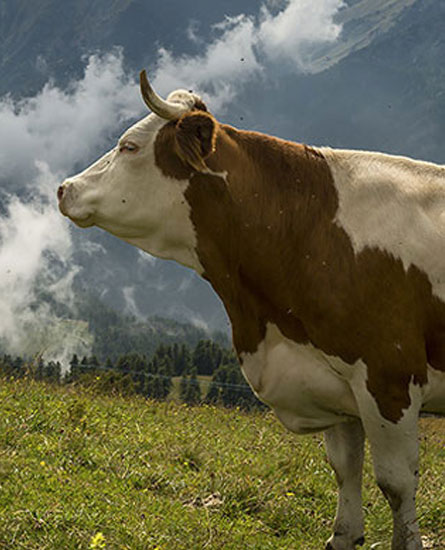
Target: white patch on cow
[345, 448]
[298, 382]
[394, 449]
[395, 204]
[126, 194]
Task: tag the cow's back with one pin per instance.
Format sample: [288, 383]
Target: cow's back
[395, 204]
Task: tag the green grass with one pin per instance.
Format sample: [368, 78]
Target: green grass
[77, 466]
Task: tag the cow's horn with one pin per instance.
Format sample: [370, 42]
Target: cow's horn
[165, 109]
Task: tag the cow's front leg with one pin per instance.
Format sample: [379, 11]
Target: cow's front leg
[394, 449]
[345, 445]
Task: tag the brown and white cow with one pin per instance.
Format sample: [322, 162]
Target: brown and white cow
[330, 264]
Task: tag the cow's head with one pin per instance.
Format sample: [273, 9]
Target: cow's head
[129, 192]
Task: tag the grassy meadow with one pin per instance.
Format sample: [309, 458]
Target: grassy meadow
[83, 470]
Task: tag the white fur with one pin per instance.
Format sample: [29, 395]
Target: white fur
[298, 382]
[126, 194]
[395, 204]
[345, 448]
[394, 449]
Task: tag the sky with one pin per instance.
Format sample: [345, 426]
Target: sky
[59, 131]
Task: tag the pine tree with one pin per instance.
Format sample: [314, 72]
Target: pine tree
[190, 390]
[229, 388]
[182, 361]
[40, 369]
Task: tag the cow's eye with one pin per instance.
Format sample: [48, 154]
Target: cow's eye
[128, 147]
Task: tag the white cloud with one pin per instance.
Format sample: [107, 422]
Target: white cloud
[294, 31]
[41, 141]
[245, 45]
[62, 128]
[35, 248]
[217, 72]
[131, 307]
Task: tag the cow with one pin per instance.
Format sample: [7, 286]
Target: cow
[329, 263]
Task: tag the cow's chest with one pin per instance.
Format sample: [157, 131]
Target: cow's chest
[299, 383]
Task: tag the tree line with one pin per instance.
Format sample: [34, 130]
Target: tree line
[207, 373]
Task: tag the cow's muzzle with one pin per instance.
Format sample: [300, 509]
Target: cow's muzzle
[68, 205]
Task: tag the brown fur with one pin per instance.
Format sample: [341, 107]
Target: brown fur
[271, 250]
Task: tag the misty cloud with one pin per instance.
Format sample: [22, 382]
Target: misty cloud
[245, 45]
[227, 62]
[43, 139]
[292, 34]
[35, 249]
[65, 127]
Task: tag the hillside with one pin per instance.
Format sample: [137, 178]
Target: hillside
[49, 39]
[82, 470]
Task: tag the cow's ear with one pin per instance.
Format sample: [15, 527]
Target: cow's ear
[195, 138]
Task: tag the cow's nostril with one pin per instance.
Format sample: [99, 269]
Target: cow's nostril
[60, 192]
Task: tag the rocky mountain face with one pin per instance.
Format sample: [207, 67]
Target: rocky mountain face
[380, 86]
[50, 39]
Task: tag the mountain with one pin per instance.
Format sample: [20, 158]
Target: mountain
[388, 95]
[50, 39]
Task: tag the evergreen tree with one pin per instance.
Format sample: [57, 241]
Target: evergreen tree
[93, 361]
[136, 366]
[190, 390]
[74, 371]
[40, 369]
[182, 360]
[229, 388]
[18, 367]
[52, 371]
[159, 382]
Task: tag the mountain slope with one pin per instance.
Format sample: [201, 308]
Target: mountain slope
[48, 38]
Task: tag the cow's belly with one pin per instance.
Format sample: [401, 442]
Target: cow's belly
[299, 383]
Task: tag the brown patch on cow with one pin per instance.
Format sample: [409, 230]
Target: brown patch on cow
[182, 146]
[267, 239]
[195, 135]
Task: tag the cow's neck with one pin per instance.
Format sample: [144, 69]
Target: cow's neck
[262, 231]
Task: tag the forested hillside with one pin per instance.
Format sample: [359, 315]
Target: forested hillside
[116, 334]
[207, 373]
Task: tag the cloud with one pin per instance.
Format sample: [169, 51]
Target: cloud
[216, 73]
[65, 127]
[292, 33]
[245, 45]
[42, 140]
[131, 307]
[35, 249]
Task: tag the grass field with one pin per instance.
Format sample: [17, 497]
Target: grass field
[80, 470]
